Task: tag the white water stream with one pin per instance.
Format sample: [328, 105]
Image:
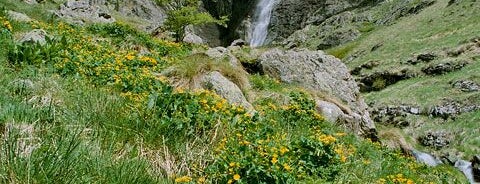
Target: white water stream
[261, 20]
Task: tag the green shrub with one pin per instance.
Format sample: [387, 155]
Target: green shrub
[189, 15]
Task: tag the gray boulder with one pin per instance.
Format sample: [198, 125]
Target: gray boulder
[216, 82]
[322, 73]
[191, 37]
[19, 17]
[330, 111]
[34, 36]
[81, 12]
[221, 53]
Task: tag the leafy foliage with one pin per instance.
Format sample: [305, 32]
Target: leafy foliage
[189, 15]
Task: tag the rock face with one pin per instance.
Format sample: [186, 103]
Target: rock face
[191, 37]
[325, 74]
[34, 36]
[476, 168]
[80, 12]
[216, 82]
[237, 11]
[334, 31]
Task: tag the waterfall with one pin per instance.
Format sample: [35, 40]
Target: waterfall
[261, 20]
[425, 158]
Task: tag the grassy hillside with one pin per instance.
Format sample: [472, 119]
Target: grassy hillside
[90, 107]
[441, 29]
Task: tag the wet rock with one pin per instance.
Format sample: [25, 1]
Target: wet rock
[238, 42]
[437, 140]
[34, 36]
[81, 12]
[449, 158]
[476, 168]
[466, 168]
[380, 80]
[442, 68]
[318, 71]
[466, 85]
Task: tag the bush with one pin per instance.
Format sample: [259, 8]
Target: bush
[189, 15]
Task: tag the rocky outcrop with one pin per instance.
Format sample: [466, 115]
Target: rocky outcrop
[81, 12]
[292, 15]
[380, 80]
[324, 74]
[437, 139]
[444, 67]
[216, 82]
[334, 31]
[452, 109]
[466, 85]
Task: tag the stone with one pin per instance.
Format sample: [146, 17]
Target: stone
[317, 71]
[466, 85]
[238, 42]
[223, 53]
[443, 68]
[81, 12]
[22, 86]
[330, 111]
[192, 38]
[452, 109]
[19, 17]
[426, 57]
[216, 82]
[437, 139]
[34, 36]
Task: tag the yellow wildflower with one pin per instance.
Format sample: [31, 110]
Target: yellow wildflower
[236, 177]
[287, 167]
[327, 139]
[201, 180]
[283, 150]
[183, 179]
[274, 160]
[232, 164]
